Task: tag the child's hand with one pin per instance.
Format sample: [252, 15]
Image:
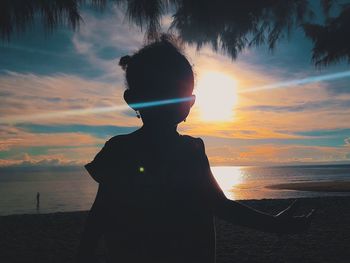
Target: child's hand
[289, 224]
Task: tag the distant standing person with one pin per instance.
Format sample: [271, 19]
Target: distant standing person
[37, 200]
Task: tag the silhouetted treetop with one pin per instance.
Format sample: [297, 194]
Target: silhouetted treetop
[231, 26]
[227, 26]
[18, 15]
[332, 40]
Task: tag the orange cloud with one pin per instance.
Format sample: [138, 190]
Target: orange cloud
[274, 154]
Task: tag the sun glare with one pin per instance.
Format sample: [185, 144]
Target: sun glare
[228, 178]
[216, 96]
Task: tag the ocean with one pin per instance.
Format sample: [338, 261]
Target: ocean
[72, 189]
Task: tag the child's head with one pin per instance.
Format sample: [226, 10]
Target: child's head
[159, 71]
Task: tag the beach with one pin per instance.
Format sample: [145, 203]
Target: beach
[55, 237]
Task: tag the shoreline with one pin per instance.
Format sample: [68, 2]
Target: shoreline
[326, 186]
[247, 201]
[244, 201]
[54, 237]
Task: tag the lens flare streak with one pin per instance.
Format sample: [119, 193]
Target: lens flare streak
[299, 82]
[76, 112]
[97, 110]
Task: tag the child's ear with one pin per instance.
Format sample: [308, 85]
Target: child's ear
[130, 98]
[193, 100]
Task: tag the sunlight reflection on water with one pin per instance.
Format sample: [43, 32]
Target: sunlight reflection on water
[228, 178]
[76, 190]
[249, 182]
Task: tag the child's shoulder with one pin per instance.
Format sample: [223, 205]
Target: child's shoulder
[119, 140]
[104, 163]
[194, 142]
[191, 138]
[127, 141]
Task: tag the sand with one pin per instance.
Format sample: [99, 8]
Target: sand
[329, 186]
[54, 237]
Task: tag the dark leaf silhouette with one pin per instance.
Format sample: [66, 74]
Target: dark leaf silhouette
[230, 26]
[332, 40]
[227, 26]
[17, 15]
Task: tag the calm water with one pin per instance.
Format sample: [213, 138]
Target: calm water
[74, 190]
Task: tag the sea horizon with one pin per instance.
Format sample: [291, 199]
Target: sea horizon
[70, 188]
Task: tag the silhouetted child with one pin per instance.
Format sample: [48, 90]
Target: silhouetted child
[157, 197]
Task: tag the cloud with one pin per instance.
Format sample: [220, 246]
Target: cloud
[78, 70]
[24, 139]
[98, 131]
[40, 149]
[309, 106]
[347, 141]
[39, 53]
[340, 87]
[264, 114]
[102, 41]
[326, 133]
[91, 52]
[29, 94]
[274, 154]
[44, 162]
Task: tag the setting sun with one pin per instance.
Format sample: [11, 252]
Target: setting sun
[216, 96]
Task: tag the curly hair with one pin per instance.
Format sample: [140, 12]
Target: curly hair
[158, 70]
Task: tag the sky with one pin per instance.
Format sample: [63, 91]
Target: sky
[48, 75]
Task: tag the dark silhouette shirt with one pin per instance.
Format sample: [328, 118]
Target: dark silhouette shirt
[157, 197]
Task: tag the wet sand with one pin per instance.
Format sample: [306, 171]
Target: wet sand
[330, 186]
[55, 237]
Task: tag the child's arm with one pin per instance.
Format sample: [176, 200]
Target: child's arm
[92, 231]
[239, 214]
[284, 222]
